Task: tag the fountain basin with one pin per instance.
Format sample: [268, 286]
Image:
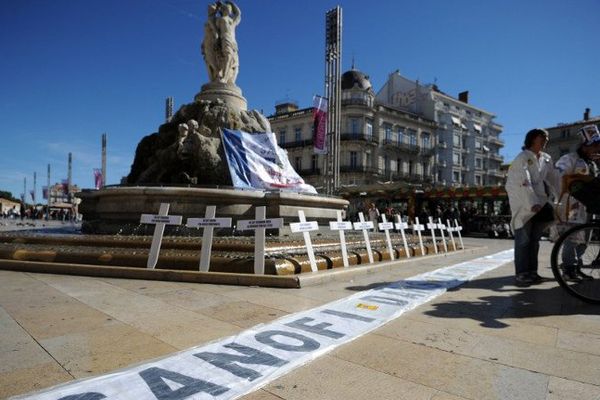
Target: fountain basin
[117, 209]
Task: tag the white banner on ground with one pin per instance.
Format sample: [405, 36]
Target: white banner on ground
[237, 365]
[159, 221]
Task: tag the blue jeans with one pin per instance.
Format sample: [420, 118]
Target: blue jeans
[527, 246]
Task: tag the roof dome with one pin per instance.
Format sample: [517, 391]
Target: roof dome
[353, 78]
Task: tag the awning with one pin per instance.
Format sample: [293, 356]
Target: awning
[485, 148]
[463, 126]
[477, 127]
[455, 120]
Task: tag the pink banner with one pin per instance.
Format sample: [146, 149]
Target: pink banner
[97, 178]
[320, 125]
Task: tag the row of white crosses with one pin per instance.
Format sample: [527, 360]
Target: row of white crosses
[261, 223]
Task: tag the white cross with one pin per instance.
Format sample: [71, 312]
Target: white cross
[306, 227]
[159, 221]
[432, 227]
[386, 226]
[458, 229]
[364, 226]
[441, 227]
[341, 226]
[402, 226]
[450, 229]
[209, 223]
[418, 227]
[259, 225]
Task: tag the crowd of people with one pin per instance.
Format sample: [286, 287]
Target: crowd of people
[37, 213]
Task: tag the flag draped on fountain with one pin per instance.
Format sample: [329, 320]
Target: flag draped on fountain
[255, 161]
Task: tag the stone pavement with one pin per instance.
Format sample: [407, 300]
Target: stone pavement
[484, 340]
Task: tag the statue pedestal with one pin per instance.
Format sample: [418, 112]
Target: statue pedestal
[228, 93]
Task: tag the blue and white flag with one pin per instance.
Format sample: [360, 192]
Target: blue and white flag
[256, 162]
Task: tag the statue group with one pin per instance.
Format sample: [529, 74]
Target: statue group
[219, 46]
[188, 149]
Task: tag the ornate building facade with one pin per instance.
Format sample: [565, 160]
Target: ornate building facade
[468, 151]
[379, 143]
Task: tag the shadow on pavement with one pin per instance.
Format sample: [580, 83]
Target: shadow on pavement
[504, 301]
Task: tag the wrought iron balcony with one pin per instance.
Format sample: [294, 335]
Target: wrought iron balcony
[360, 137]
[298, 143]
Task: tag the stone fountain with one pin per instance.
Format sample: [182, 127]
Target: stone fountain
[184, 162]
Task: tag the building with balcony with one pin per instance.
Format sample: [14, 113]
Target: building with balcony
[468, 150]
[379, 143]
[564, 137]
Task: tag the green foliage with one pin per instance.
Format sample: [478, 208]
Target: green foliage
[8, 196]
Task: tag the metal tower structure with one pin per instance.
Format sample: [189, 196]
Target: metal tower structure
[103, 160]
[169, 109]
[333, 92]
[70, 176]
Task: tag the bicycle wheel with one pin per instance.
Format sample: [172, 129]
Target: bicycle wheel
[575, 262]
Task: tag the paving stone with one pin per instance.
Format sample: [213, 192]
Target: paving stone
[448, 372]
[333, 378]
[564, 389]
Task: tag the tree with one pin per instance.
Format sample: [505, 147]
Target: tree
[7, 195]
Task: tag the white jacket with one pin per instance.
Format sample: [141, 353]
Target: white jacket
[568, 164]
[525, 185]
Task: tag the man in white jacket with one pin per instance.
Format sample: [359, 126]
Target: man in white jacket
[531, 182]
[580, 162]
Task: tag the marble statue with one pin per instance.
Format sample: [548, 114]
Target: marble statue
[219, 46]
[188, 149]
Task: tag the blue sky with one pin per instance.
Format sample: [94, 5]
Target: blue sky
[74, 69]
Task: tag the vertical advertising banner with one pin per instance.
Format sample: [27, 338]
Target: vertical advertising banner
[97, 178]
[320, 125]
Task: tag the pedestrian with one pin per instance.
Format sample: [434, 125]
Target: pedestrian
[374, 216]
[531, 182]
[570, 210]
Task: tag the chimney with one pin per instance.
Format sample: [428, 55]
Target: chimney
[464, 96]
[586, 114]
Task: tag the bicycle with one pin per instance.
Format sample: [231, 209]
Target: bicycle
[575, 257]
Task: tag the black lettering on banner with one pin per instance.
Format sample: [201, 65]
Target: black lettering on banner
[385, 300]
[404, 293]
[84, 396]
[252, 356]
[346, 315]
[154, 379]
[319, 329]
[307, 345]
[421, 285]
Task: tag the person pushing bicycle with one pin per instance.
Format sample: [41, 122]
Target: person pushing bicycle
[578, 165]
